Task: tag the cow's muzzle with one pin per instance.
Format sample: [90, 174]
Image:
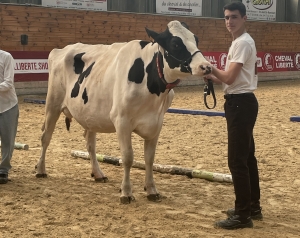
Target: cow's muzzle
[206, 69]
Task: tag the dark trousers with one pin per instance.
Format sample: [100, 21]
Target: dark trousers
[241, 113]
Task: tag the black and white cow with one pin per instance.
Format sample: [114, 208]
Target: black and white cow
[122, 88]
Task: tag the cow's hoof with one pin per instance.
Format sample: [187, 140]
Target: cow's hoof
[101, 180]
[127, 200]
[41, 175]
[154, 197]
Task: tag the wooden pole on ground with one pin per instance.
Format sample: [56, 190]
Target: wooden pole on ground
[19, 146]
[171, 169]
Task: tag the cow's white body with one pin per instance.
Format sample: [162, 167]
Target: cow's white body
[108, 102]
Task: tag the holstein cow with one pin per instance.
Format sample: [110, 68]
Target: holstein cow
[122, 88]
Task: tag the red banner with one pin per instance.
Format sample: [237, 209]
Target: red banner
[33, 65]
[266, 61]
[278, 61]
[30, 65]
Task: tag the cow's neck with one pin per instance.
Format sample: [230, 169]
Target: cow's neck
[169, 81]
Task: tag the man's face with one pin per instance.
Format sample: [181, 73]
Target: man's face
[234, 21]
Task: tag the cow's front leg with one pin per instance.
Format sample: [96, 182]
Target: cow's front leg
[126, 191]
[124, 137]
[91, 148]
[149, 151]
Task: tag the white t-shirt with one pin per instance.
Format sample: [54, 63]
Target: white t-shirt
[242, 50]
[8, 96]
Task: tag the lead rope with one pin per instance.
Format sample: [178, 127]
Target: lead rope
[209, 88]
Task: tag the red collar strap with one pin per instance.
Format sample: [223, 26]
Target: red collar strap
[161, 76]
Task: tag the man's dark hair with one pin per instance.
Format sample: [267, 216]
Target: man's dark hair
[236, 6]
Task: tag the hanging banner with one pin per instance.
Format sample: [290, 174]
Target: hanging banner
[217, 59]
[179, 7]
[33, 65]
[30, 65]
[278, 61]
[261, 10]
[96, 5]
[266, 61]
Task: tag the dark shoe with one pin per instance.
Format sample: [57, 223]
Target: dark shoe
[255, 213]
[3, 178]
[234, 222]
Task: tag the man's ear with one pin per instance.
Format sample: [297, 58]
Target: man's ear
[152, 35]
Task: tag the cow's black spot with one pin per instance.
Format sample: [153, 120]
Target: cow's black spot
[82, 76]
[85, 96]
[177, 51]
[78, 63]
[85, 73]
[137, 72]
[144, 43]
[154, 84]
[75, 90]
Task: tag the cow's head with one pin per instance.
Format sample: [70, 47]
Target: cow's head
[179, 47]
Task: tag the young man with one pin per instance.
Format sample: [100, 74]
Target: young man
[239, 81]
[9, 113]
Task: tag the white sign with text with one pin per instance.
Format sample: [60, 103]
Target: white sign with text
[96, 5]
[261, 10]
[29, 66]
[176, 7]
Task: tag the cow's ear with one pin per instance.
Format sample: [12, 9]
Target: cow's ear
[185, 25]
[152, 34]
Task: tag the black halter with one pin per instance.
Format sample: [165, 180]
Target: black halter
[186, 63]
[162, 77]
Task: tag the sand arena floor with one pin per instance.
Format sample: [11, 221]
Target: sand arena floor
[70, 204]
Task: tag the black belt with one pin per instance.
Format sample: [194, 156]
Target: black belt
[228, 96]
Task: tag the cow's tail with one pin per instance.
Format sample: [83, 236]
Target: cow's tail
[68, 122]
[68, 118]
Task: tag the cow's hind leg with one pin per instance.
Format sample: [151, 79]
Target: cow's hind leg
[149, 153]
[91, 148]
[48, 128]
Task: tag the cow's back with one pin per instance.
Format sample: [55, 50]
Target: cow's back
[63, 59]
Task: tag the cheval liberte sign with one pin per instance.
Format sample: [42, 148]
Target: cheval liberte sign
[261, 10]
[33, 65]
[96, 5]
[183, 7]
[266, 62]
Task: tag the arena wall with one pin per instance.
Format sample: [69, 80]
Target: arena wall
[49, 28]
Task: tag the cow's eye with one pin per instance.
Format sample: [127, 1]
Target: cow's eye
[176, 46]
